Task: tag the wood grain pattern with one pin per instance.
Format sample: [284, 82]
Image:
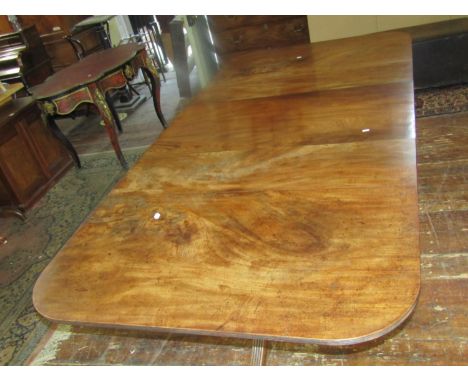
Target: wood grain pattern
[221, 23]
[274, 33]
[31, 159]
[436, 334]
[287, 215]
[310, 67]
[5, 26]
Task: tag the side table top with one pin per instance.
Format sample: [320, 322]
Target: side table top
[88, 70]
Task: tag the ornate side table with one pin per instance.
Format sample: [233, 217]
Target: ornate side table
[89, 81]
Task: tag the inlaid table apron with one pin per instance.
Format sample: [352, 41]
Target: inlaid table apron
[280, 205]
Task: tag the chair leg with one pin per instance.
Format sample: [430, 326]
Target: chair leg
[133, 89]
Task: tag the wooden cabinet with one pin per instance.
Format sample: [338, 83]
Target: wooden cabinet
[238, 33]
[31, 158]
[59, 49]
[53, 29]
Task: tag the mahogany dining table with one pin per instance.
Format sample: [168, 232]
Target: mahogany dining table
[90, 80]
[280, 205]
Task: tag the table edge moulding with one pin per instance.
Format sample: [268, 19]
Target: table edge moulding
[280, 205]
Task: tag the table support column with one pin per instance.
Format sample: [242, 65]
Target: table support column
[258, 352]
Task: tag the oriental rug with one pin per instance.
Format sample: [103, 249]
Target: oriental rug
[32, 244]
[437, 101]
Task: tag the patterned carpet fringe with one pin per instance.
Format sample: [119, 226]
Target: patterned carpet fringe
[437, 101]
[32, 244]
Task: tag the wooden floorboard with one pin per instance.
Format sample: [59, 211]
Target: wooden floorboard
[435, 334]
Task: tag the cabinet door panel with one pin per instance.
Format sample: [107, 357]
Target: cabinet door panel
[21, 168]
[50, 150]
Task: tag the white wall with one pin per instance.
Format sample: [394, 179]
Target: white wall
[119, 28]
[322, 28]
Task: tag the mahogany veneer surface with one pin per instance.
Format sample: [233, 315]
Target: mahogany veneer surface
[287, 200]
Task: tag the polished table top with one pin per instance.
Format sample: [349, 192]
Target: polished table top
[280, 204]
[88, 70]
